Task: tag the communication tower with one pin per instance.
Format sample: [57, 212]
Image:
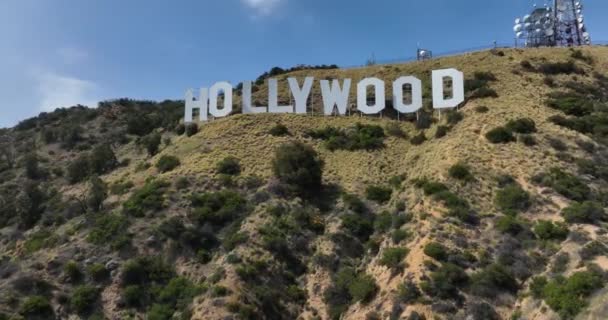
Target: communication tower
[559, 24]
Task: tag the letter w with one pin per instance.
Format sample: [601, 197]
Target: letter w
[335, 96]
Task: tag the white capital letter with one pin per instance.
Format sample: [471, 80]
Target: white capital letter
[439, 102]
[416, 103]
[202, 104]
[380, 102]
[335, 96]
[300, 95]
[213, 97]
[248, 106]
[273, 99]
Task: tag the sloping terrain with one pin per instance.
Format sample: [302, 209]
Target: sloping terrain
[492, 211]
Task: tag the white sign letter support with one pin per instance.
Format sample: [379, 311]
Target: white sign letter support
[439, 102]
[380, 102]
[300, 95]
[213, 97]
[248, 106]
[273, 99]
[416, 85]
[202, 104]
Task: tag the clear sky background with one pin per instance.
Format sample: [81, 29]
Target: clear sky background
[56, 53]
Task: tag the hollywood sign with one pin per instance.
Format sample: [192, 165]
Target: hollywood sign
[335, 96]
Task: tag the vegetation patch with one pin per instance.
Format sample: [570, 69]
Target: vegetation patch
[149, 198]
[167, 163]
[564, 183]
[359, 137]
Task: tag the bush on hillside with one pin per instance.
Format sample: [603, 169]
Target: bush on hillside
[441, 132]
[359, 137]
[217, 208]
[36, 307]
[229, 166]
[522, 125]
[279, 130]
[418, 139]
[393, 257]
[509, 224]
[436, 251]
[445, 282]
[151, 142]
[500, 135]
[555, 68]
[149, 198]
[363, 288]
[167, 163]
[567, 296]
[394, 129]
[378, 194]
[460, 171]
[512, 198]
[358, 225]
[548, 230]
[454, 116]
[298, 167]
[102, 159]
[191, 129]
[527, 140]
[564, 183]
[493, 280]
[584, 212]
[98, 192]
[83, 299]
[78, 169]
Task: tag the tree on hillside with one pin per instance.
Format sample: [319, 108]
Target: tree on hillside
[98, 191]
[298, 166]
[29, 205]
[102, 159]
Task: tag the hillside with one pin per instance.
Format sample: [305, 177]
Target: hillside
[492, 211]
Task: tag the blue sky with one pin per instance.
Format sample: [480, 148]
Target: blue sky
[56, 53]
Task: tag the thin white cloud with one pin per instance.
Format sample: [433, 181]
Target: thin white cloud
[263, 7]
[72, 55]
[57, 91]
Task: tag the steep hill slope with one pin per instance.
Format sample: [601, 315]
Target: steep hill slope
[493, 211]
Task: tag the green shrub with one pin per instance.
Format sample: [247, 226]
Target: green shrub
[436, 251]
[460, 171]
[393, 257]
[352, 202]
[522, 125]
[191, 129]
[299, 168]
[485, 92]
[570, 103]
[537, 286]
[481, 109]
[109, 229]
[98, 192]
[39, 240]
[102, 159]
[363, 288]
[279, 130]
[394, 129]
[500, 135]
[359, 137]
[526, 65]
[383, 222]
[555, 68]
[98, 272]
[36, 307]
[218, 208]
[160, 312]
[512, 198]
[358, 225]
[121, 188]
[418, 139]
[167, 163]
[509, 224]
[548, 230]
[78, 169]
[567, 296]
[453, 117]
[493, 280]
[149, 198]
[84, 298]
[229, 166]
[378, 193]
[565, 184]
[151, 142]
[72, 271]
[441, 132]
[399, 235]
[180, 129]
[445, 281]
[408, 292]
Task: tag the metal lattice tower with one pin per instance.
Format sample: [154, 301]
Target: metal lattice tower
[561, 24]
